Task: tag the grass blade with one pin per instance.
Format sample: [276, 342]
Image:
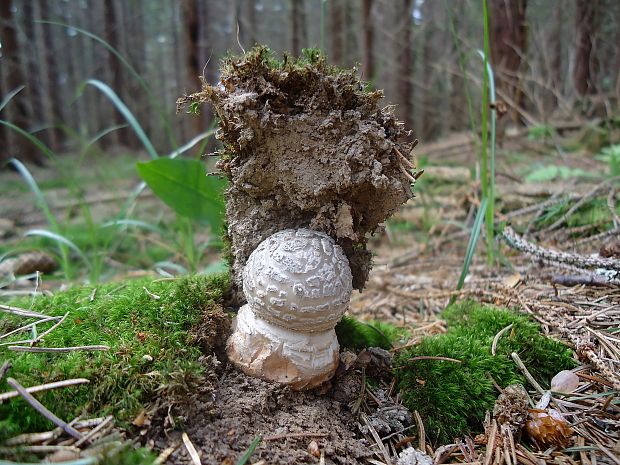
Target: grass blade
[61, 240]
[34, 187]
[36, 141]
[471, 246]
[10, 96]
[131, 119]
[248, 453]
[136, 223]
[129, 67]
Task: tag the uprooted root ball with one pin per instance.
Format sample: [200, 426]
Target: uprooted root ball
[305, 147]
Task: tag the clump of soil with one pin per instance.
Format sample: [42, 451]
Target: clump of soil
[305, 147]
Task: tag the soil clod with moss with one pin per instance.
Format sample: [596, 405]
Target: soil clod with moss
[305, 146]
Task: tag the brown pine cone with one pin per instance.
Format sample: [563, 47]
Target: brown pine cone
[548, 428]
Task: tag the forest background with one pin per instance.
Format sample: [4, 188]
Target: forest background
[553, 60]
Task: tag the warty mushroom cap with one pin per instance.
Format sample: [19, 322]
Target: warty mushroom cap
[299, 279]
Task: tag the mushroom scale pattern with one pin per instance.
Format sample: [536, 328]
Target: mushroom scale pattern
[298, 285]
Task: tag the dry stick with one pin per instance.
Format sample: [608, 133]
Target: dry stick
[496, 338]
[6, 366]
[193, 453]
[611, 203]
[56, 325]
[28, 326]
[490, 446]
[596, 237]
[586, 198]
[581, 261]
[39, 407]
[540, 206]
[584, 349]
[375, 435]
[44, 387]
[527, 374]
[421, 431]
[21, 312]
[94, 431]
[56, 349]
[295, 435]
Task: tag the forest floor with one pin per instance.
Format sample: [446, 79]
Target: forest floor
[558, 201]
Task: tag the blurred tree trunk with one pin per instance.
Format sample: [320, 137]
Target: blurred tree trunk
[114, 66]
[406, 65]
[555, 57]
[299, 38]
[16, 111]
[368, 68]
[252, 32]
[49, 76]
[586, 25]
[336, 13]
[508, 30]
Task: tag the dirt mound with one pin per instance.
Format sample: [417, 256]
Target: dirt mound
[288, 421]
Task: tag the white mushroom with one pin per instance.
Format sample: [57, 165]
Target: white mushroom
[298, 284]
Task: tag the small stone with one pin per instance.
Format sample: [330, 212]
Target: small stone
[411, 456]
[147, 358]
[565, 381]
[313, 449]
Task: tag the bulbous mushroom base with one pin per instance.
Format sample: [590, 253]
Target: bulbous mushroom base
[301, 360]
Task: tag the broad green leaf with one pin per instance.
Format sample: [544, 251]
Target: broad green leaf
[184, 186]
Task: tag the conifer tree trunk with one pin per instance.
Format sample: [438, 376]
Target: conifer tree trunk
[508, 30]
[586, 25]
[368, 68]
[336, 13]
[16, 111]
[406, 65]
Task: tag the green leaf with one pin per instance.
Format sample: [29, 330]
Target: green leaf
[185, 187]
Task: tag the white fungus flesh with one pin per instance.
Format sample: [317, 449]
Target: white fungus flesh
[298, 284]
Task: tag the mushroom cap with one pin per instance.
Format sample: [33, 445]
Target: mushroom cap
[299, 279]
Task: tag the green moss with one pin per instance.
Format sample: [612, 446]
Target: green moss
[453, 397]
[355, 334]
[134, 324]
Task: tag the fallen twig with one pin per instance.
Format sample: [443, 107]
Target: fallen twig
[45, 333]
[295, 436]
[583, 200]
[193, 453]
[526, 372]
[57, 349]
[28, 326]
[44, 387]
[553, 256]
[6, 366]
[39, 407]
[21, 312]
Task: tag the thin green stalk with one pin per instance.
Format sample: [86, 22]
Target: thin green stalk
[9, 96]
[488, 83]
[471, 246]
[131, 119]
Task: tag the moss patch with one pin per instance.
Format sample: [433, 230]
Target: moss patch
[453, 397]
[155, 344]
[357, 335]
